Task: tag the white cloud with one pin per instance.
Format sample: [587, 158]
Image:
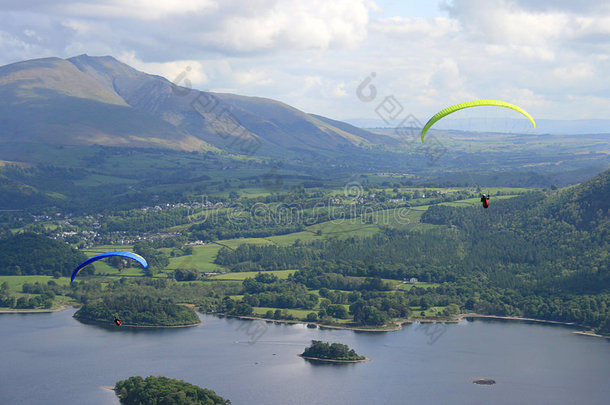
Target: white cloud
[522, 23]
[252, 77]
[339, 91]
[137, 9]
[297, 24]
[307, 85]
[80, 27]
[314, 88]
[575, 72]
[526, 97]
[189, 73]
[503, 24]
[417, 27]
[535, 56]
[447, 75]
[550, 56]
[161, 31]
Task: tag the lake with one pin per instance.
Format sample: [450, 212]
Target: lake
[50, 358]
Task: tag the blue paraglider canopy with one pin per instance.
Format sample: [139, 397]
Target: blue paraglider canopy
[129, 255]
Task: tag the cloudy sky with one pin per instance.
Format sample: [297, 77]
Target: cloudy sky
[549, 56]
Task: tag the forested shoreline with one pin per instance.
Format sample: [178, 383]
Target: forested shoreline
[539, 255]
[532, 256]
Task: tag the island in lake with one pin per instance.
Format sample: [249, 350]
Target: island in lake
[163, 390]
[137, 311]
[335, 352]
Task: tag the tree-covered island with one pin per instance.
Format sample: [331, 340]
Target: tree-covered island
[334, 352]
[137, 311]
[163, 390]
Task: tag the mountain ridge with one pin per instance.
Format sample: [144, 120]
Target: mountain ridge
[88, 100]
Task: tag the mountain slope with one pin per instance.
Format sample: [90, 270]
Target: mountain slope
[369, 136]
[88, 100]
[559, 239]
[34, 79]
[585, 206]
[50, 101]
[225, 120]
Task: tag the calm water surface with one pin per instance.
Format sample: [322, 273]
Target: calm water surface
[54, 359]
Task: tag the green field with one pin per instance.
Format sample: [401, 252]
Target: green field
[397, 284]
[366, 225]
[234, 243]
[290, 238]
[103, 268]
[202, 259]
[281, 274]
[475, 201]
[93, 180]
[346, 227]
[404, 218]
[15, 282]
[430, 312]
[296, 313]
[407, 287]
[96, 250]
[253, 192]
[203, 256]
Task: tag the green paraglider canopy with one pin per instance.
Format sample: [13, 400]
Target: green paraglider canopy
[476, 103]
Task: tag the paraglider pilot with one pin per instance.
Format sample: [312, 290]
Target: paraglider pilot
[485, 200]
